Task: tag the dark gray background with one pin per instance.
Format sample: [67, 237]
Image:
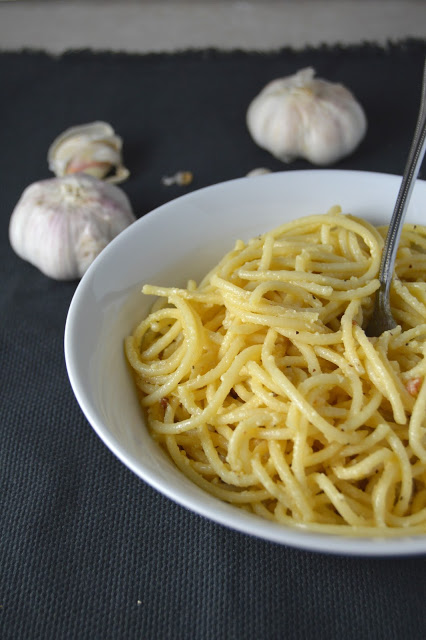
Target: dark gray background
[87, 549]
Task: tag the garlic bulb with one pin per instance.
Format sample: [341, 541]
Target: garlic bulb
[62, 224]
[303, 117]
[92, 148]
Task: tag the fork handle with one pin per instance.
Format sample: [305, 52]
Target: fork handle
[414, 161]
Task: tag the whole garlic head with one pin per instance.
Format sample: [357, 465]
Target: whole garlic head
[304, 117]
[61, 225]
[92, 148]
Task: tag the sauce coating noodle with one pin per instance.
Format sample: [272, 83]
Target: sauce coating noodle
[263, 387]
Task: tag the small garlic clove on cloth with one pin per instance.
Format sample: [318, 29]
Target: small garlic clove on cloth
[61, 225]
[92, 148]
[259, 171]
[301, 116]
[181, 178]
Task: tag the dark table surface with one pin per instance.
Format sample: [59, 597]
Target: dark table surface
[87, 549]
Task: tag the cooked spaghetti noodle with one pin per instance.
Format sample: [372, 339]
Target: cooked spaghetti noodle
[263, 387]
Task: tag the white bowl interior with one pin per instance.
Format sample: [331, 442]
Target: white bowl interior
[176, 242]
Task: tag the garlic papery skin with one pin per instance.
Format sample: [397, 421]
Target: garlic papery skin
[301, 116]
[92, 148]
[61, 225]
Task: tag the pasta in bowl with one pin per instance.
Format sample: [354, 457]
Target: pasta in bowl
[264, 389]
[260, 384]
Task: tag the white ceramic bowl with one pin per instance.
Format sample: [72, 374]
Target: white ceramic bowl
[180, 240]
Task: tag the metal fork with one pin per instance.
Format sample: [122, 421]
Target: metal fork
[382, 318]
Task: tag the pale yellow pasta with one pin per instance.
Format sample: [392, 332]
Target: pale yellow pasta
[263, 387]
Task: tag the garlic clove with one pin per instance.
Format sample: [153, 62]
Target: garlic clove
[92, 148]
[301, 116]
[61, 225]
[259, 171]
[181, 178]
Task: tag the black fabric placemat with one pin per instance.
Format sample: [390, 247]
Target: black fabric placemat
[87, 549]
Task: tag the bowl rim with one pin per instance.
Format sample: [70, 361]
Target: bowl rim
[223, 513]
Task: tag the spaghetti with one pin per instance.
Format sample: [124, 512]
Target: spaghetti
[266, 392]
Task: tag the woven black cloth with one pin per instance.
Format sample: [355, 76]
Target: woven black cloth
[88, 550]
